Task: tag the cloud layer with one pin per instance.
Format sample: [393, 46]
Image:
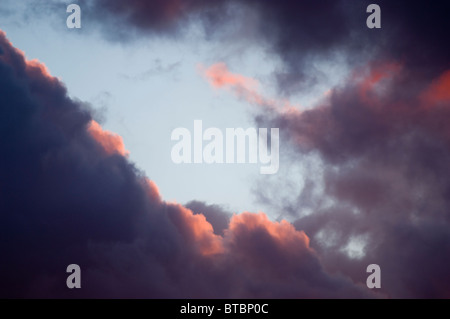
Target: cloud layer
[69, 195]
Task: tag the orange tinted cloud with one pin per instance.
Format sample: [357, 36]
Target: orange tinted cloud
[195, 229]
[219, 76]
[151, 189]
[199, 232]
[243, 87]
[439, 90]
[37, 66]
[274, 251]
[32, 67]
[111, 143]
[283, 233]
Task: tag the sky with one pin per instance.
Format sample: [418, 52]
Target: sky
[86, 175]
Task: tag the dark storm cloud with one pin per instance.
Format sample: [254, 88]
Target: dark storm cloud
[412, 32]
[126, 20]
[385, 146]
[68, 195]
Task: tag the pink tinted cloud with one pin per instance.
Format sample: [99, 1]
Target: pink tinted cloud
[282, 233]
[111, 142]
[195, 229]
[246, 88]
